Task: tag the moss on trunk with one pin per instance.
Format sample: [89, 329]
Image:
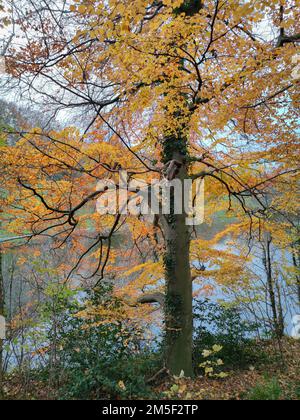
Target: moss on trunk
[179, 298]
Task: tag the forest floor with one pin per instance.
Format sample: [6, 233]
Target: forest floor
[278, 378]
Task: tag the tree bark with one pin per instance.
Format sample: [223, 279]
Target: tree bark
[296, 262]
[278, 318]
[179, 294]
[1, 314]
[179, 289]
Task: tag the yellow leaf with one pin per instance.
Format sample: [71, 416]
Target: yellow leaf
[81, 9]
[122, 386]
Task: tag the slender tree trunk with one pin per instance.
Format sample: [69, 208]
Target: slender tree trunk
[296, 261]
[1, 314]
[278, 318]
[179, 298]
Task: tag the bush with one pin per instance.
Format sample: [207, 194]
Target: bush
[217, 325]
[212, 364]
[102, 358]
[270, 390]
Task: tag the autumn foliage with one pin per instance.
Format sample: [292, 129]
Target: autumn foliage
[213, 85]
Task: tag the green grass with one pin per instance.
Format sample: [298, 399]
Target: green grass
[270, 390]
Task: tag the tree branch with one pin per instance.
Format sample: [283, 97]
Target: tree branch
[152, 298]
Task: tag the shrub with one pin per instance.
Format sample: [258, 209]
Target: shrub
[212, 364]
[104, 358]
[218, 325]
[270, 390]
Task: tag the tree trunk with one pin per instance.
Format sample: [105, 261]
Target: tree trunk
[278, 318]
[1, 314]
[296, 261]
[179, 297]
[179, 289]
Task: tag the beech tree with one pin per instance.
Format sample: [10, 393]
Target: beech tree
[168, 89]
